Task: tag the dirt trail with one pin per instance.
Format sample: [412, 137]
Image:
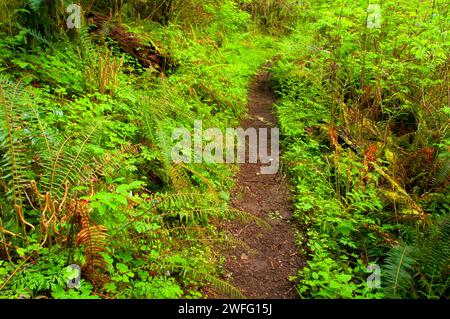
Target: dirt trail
[264, 272]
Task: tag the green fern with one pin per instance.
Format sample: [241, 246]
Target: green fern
[68, 161]
[225, 287]
[182, 168]
[398, 270]
[35, 5]
[29, 152]
[228, 240]
[247, 217]
[175, 200]
[178, 177]
[434, 259]
[39, 37]
[422, 268]
[14, 157]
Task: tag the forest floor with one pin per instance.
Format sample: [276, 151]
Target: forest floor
[263, 271]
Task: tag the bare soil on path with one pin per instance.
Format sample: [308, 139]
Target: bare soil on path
[263, 272]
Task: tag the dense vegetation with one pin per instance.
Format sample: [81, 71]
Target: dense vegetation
[86, 117]
[365, 117]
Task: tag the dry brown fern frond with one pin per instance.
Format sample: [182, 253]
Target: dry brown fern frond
[94, 238]
[51, 208]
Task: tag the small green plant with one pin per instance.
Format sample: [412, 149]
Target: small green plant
[275, 215]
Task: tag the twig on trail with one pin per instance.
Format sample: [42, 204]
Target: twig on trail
[242, 229]
[280, 244]
[289, 291]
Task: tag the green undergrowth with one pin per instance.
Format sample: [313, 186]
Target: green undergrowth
[86, 123]
[371, 182]
[86, 175]
[334, 268]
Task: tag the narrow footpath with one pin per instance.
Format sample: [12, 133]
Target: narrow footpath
[263, 272]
